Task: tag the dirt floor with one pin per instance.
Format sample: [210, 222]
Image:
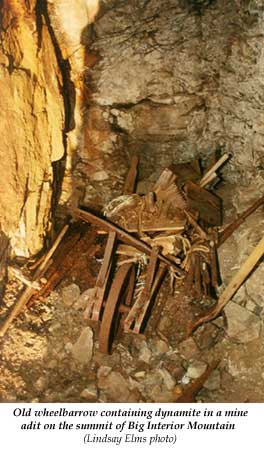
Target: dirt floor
[50, 352]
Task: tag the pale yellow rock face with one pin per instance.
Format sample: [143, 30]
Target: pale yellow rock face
[31, 126]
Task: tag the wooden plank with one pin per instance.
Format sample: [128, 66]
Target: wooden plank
[29, 291]
[187, 171]
[131, 178]
[207, 204]
[146, 293]
[211, 173]
[103, 276]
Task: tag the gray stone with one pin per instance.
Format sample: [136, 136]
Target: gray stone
[167, 379]
[251, 306]
[90, 393]
[145, 353]
[188, 348]
[160, 346]
[243, 326]
[116, 387]
[196, 369]
[82, 350]
[185, 379]
[82, 300]
[41, 384]
[214, 381]
[255, 286]
[103, 371]
[70, 294]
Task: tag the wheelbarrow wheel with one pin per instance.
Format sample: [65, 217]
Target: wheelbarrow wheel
[120, 293]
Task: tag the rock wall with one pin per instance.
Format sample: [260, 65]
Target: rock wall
[31, 126]
[168, 80]
[172, 81]
[4, 253]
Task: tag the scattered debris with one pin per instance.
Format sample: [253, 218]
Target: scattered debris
[165, 240]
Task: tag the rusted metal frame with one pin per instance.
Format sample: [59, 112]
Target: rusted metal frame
[130, 182]
[111, 306]
[122, 235]
[138, 310]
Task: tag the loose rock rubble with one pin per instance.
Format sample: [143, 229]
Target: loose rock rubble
[50, 353]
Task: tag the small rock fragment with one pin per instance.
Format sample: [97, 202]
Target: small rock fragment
[188, 348]
[68, 347]
[205, 336]
[160, 346]
[116, 387]
[40, 384]
[168, 380]
[213, 383]
[70, 294]
[145, 354]
[140, 374]
[243, 326]
[185, 379]
[196, 369]
[82, 350]
[103, 371]
[82, 300]
[90, 393]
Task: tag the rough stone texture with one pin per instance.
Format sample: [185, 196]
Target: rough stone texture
[214, 381]
[82, 350]
[90, 393]
[196, 369]
[255, 286]
[71, 24]
[167, 378]
[116, 387]
[188, 348]
[4, 249]
[70, 294]
[31, 126]
[242, 325]
[171, 84]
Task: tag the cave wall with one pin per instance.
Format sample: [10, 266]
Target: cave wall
[170, 83]
[89, 83]
[31, 126]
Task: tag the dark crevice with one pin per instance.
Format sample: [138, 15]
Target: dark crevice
[67, 90]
